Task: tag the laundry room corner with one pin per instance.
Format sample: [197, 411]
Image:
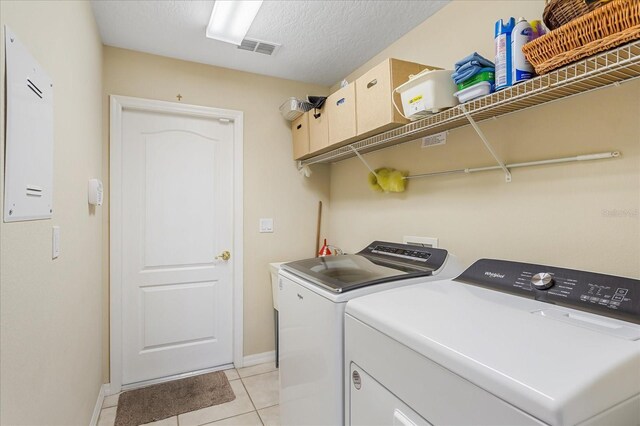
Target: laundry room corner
[319, 212]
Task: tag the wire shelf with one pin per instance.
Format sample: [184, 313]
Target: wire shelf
[605, 69]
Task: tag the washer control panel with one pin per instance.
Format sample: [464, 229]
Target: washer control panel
[417, 256]
[405, 253]
[608, 295]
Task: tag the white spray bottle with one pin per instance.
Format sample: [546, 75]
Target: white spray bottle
[521, 69]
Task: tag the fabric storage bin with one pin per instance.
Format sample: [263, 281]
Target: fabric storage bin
[374, 90]
[300, 136]
[341, 112]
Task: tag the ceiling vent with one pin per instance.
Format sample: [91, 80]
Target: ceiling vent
[259, 46]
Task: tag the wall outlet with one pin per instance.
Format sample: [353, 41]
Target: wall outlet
[421, 241]
[55, 242]
[266, 225]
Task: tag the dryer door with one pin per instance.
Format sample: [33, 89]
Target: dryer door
[372, 404]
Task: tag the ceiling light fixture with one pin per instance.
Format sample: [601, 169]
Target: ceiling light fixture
[230, 20]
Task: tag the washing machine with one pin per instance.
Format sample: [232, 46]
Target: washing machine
[505, 343]
[312, 297]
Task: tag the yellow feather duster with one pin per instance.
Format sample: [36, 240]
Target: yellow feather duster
[388, 180]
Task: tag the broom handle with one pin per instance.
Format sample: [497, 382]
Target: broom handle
[318, 228]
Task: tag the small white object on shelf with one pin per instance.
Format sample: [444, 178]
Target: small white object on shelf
[293, 108]
[477, 90]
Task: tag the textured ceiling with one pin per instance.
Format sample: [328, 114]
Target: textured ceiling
[322, 41]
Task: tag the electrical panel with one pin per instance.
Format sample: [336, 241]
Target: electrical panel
[29, 136]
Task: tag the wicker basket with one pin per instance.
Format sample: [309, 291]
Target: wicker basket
[559, 12]
[611, 25]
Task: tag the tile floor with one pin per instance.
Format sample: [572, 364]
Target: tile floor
[256, 402]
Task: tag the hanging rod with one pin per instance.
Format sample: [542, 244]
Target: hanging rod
[586, 157]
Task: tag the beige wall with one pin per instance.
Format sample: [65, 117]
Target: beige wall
[581, 215]
[272, 186]
[50, 347]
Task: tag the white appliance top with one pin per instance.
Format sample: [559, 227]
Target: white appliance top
[377, 263]
[558, 363]
[450, 270]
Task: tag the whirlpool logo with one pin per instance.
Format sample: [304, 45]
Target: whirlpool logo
[494, 275]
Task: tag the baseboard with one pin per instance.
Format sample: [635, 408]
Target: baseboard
[254, 359]
[98, 406]
[108, 390]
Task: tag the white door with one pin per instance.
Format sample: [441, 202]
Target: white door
[177, 216]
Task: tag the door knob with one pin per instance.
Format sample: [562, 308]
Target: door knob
[225, 255]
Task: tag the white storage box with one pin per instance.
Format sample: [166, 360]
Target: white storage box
[427, 93]
[293, 108]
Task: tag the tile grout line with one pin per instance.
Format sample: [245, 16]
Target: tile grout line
[259, 374]
[259, 417]
[256, 374]
[254, 406]
[269, 406]
[251, 399]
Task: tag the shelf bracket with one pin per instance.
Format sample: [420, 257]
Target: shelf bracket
[303, 169]
[507, 173]
[364, 161]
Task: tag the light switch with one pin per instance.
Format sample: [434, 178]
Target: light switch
[266, 225]
[55, 242]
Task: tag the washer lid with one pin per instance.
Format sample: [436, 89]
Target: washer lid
[379, 262]
[561, 372]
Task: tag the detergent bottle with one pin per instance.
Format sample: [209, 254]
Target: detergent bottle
[503, 61]
[521, 69]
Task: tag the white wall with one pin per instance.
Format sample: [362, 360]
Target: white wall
[581, 215]
[50, 310]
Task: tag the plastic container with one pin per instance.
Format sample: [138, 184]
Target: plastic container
[427, 93]
[477, 90]
[521, 69]
[293, 108]
[502, 60]
[483, 76]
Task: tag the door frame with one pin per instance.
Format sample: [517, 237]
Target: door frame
[117, 105]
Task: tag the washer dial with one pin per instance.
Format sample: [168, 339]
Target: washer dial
[542, 280]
